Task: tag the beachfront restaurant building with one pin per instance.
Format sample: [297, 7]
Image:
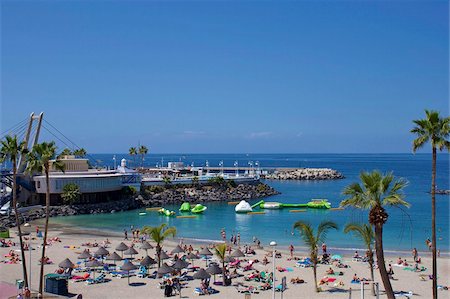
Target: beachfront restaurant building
[96, 185]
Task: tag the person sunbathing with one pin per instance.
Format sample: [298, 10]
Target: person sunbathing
[405, 263]
[204, 288]
[297, 280]
[356, 255]
[356, 278]
[59, 271]
[324, 280]
[265, 261]
[399, 261]
[330, 271]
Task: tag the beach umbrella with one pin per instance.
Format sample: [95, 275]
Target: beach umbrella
[101, 251]
[114, 257]
[237, 253]
[84, 255]
[180, 264]
[122, 247]
[94, 264]
[214, 269]
[66, 264]
[165, 269]
[201, 274]
[128, 266]
[177, 249]
[147, 261]
[130, 251]
[336, 257]
[205, 252]
[163, 256]
[146, 246]
[228, 259]
[192, 257]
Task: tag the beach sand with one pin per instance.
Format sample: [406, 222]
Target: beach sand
[148, 288]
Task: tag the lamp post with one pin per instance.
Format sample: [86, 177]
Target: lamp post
[257, 168]
[237, 168]
[273, 244]
[207, 167]
[114, 159]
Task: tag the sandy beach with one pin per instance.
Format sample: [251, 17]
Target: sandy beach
[72, 238]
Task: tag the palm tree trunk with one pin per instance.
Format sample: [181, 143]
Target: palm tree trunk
[380, 261]
[16, 212]
[315, 276]
[158, 253]
[372, 277]
[433, 222]
[223, 270]
[47, 208]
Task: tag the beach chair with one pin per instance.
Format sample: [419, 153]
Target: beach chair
[83, 277]
[99, 279]
[404, 294]
[142, 272]
[199, 291]
[303, 264]
[125, 274]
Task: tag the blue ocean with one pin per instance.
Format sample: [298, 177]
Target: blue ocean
[406, 228]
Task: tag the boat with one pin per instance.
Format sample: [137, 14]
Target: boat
[198, 209]
[243, 207]
[166, 212]
[185, 207]
[142, 214]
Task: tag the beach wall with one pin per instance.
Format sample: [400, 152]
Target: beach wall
[150, 197]
[305, 174]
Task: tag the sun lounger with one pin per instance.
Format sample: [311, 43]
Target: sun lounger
[99, 279]
[125, 274]
[404, 294]
[199, 291]
[80, 278]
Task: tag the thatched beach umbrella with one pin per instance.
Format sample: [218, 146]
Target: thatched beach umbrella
[122, 247]
[228, 259]
[177, 249]
[237, 253]
[130, 251]
[192, 257]
[180, 264]
[201, 274]
[164, 256]
[214, 269]
[128, 266]
[66, 264]
[101, 251]
[94, 264]
[205, 252]
[84, 255]
[146, 246]
[165, 269]
[114, 257]
[147, 261]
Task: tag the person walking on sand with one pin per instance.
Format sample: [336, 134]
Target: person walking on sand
[125, 234]
[239, 238]
[414, 253]
[291, 250]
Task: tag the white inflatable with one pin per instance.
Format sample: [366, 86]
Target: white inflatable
[243, 207]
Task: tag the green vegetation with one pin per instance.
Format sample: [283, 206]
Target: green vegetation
[313, 240]
[39, 161]
[65, 152]
[129, 190]
[80, 153]
[435, 129]
[142, 151]
[158, 234]
[375, 192]
[220, 251]
[133, 152]
[10, 150]
[71, 194]
[365, 233]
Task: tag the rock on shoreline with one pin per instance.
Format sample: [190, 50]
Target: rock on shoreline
[305, 174]
[152, 197]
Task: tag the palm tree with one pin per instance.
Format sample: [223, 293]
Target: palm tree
[194, 181]
[71, 193]
[167, 181]
[80, 153]
[143, 150]
[366, 234]
[66, 152]
[40, 160]
[133, 152]
[221, 250]
[377, 190]
[158, 234]
[10, 150]
[436, 129]
[313, 240]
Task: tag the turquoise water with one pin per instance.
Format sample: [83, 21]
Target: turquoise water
[404, 230]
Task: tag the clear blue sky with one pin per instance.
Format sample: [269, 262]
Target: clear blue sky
[215, 76]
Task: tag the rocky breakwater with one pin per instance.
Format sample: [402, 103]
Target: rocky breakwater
[305, 174]
[159, 196]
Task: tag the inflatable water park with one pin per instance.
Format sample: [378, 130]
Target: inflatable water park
[245, 207]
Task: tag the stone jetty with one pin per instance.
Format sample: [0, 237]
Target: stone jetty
[305, 174]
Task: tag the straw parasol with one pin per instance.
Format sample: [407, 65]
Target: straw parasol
[192, 257]
[146, 246]
[114, 257]
[201, 274]
[122, 247]
[163, 256]
[237, 253]
[130, 251]
[84, 255]
[228, 259]
[165, 269]
[214, 269]
[101, 251]
[147, 261]
[180, 264]
[94, 264]
[66, 264]
[177, 249]
[205, 252]
[128, 266]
